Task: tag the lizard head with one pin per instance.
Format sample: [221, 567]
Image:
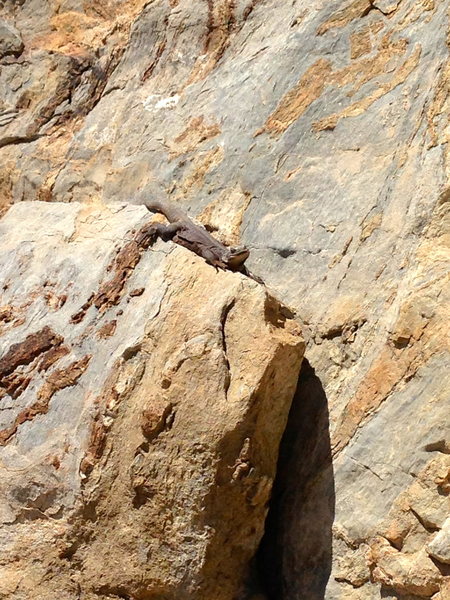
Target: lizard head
[237, 257]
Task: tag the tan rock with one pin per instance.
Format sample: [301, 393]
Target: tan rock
[439, 547]
[405, 573]
[141, 462]
[444, 592]
[352, 567]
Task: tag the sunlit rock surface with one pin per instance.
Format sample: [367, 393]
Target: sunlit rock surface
[316, 133]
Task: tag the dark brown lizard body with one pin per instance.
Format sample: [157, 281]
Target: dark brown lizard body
[182, 230]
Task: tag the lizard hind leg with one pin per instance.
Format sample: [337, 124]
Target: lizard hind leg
[148, 234]
[167, 232]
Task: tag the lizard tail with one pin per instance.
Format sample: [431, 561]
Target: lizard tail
[172, 213]
[153, 205]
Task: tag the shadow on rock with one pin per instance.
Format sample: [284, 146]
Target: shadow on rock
[294, 558]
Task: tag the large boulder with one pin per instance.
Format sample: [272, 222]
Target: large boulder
[143, 396]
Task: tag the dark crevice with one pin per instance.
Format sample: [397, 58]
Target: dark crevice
[13, 140]
[113, 591]
[374, 7]
[430, 527]
[294, 557]
[142, 494]
[390, 593]
[443, 568]
[223, 319]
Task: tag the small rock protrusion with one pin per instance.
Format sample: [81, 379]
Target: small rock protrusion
[439, 547]
[11, 43]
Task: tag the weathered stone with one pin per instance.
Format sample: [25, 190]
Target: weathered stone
[10, 40]
[386, 6]
[406, 573]
[139, 462]
[317, 134]
[352, 567]
[444, 591]
[439, 547]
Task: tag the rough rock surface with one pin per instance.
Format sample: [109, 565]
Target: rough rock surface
[318, 132]
[139, 427]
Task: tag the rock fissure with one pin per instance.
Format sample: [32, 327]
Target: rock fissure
[223, 323]
[365, 467]
[291, 509]
[22, 139]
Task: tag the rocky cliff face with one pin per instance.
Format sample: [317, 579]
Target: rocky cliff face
[318, 135]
